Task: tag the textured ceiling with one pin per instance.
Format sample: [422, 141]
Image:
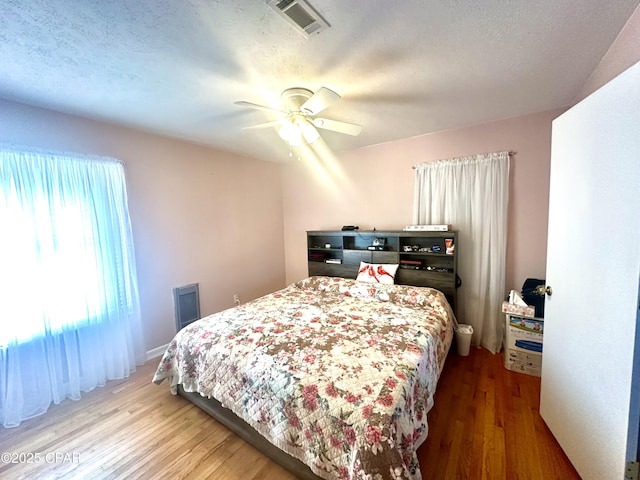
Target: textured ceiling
[403, 68]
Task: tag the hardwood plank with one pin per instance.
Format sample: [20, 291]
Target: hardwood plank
[484, 425]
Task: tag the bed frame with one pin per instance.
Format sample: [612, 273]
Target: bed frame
[248, 434]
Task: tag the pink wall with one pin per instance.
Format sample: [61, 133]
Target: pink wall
[623, 53]
[373, 187]
[198, 215]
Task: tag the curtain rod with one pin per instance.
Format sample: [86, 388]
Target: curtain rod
[510, 152]
[18, 148]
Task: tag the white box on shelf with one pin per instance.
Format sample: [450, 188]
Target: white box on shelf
[427, 228]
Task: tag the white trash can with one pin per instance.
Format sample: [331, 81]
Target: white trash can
[463, 339]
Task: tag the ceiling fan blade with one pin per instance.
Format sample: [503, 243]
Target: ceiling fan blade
[337, 126]
[275, 123]
[242, 103]
[320, 100]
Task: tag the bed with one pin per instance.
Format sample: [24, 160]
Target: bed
[331, 377]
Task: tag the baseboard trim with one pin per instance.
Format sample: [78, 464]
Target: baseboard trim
[156, 352]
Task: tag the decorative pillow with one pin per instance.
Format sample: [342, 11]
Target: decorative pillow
[377, 272]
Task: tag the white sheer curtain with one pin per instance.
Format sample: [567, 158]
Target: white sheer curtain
[69, 309]
[471, 193]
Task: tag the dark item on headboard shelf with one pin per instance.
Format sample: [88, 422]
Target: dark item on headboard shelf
[348, 228]
[531, 296]
[410, 267]
[317, 256]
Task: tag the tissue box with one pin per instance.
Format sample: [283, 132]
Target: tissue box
[513, 309]
[517, 306]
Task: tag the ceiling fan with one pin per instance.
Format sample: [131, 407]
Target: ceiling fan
[298, 121]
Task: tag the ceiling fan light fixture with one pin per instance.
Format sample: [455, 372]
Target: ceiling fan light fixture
[298, 124]
[296, 139]
[285, 130]
[310, 134]
[290, 133]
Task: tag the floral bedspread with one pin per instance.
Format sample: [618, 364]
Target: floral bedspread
[340, 374]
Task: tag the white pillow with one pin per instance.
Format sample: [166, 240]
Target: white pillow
[377, 272]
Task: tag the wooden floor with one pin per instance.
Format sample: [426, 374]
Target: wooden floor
[485, 425]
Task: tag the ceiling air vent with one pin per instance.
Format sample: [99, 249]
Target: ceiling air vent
[301, 15]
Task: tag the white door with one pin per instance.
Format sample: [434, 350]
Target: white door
[593, 268]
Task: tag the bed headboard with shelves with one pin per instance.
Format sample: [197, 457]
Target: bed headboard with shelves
[425, 259]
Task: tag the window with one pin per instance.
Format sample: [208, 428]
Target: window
[56, 280]
[68, 291]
